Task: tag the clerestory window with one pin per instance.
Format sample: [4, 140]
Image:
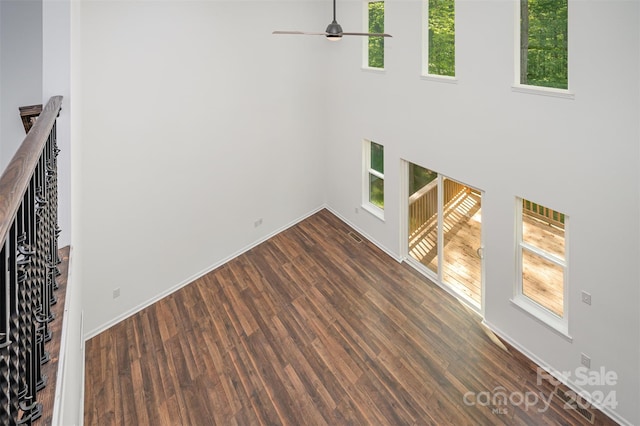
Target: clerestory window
[543, 43]
[440, 43]
[374, 46]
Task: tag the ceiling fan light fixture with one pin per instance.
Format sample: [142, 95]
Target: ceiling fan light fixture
[334, 31]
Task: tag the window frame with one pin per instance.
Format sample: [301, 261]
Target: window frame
[368, 171]
[424, 66]
[543, 314]
[365, 40]
[519, 87]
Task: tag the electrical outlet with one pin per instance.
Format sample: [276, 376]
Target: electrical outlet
[257, 223]
[586, 297]
[116, 293]
[585, 360]
[357, 210]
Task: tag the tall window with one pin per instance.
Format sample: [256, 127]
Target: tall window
[375, 24]
[440, 38]
[542, 260]
[543, 43]
[373, 179]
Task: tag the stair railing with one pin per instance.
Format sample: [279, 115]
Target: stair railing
[28, 267]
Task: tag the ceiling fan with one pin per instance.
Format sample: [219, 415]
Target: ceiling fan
[334, 30]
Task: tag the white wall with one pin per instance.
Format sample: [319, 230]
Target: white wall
[20, 69]
[56, 80]
[57, 30]
[196, 123]
[577, 156]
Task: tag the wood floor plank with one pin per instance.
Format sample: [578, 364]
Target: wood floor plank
[307, 374]
[139, 400]
[311, 327]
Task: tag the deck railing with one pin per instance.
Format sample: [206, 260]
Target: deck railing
[423, 204]
[543, 213]
[28, 261]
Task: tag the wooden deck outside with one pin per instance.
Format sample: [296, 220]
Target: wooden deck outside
[461, 267]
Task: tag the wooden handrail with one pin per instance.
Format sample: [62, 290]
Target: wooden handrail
[423, 204]
[422, 191]
[15, 179]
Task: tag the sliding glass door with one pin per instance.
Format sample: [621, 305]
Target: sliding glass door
[445, 231]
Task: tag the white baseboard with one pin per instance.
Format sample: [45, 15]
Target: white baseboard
[555, 373]
[194, 277]
[65, 338]
[82, 373]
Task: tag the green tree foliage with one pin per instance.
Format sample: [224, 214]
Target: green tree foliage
[377, 157]
[419, 177]
[543, 58]
[376, 184]
[376, 191]
[442, 43]
[376, 25]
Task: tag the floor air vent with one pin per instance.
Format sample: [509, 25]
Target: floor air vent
[355, 237]
[570, 402]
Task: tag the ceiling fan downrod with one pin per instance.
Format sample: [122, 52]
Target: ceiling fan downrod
[334, 30]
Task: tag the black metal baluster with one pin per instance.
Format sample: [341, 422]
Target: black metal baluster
[17, 354]
[31, 409]
[28, 271]
[42, 332]
[27, 268]
[5, 342]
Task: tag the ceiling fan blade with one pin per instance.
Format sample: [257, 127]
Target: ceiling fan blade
[334, 30]
[369, 34]
[327, 34]
[298, 33]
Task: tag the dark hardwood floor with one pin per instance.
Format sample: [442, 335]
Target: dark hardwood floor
[310, 328]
